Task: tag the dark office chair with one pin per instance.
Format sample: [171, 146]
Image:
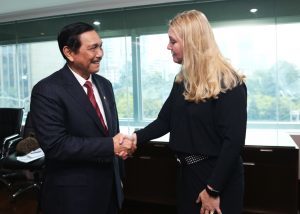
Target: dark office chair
[10, 161]
[10, 126]
[10, 121]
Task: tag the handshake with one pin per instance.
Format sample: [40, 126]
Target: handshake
[124, 145]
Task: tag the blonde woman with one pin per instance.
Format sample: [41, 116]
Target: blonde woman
[206, 116]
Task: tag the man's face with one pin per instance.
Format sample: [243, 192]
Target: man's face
[87, 59]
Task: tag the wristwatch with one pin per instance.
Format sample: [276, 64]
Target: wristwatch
[212, 193]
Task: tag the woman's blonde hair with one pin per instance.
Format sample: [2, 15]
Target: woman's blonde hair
[205, 72]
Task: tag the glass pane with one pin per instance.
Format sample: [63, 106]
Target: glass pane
[45, 59]
[157, 73]
[243, 44]
[268, 55]
[252, 50]
[117, 67]
[10, 94]
[288, 66]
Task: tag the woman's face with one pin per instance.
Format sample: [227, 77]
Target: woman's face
[175, 46]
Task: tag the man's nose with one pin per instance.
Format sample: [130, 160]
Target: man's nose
[99, 52]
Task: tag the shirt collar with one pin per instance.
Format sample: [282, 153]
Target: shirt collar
[80, 79]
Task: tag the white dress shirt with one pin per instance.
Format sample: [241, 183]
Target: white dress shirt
[82, 81]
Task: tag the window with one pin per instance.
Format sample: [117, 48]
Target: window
[116, 66]
[267, 55]
[157, 74]
[14, 62]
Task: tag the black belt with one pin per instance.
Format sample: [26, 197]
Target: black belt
[190, 159]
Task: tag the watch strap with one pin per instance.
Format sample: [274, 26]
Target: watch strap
[211, 192]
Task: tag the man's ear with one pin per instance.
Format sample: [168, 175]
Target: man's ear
[68, 53]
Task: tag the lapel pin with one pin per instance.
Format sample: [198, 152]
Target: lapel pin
[104, 97]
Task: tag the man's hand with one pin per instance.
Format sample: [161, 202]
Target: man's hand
[123, 145]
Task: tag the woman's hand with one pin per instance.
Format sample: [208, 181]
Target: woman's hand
[210, 205]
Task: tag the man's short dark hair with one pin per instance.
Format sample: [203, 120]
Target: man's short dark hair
[69, 36]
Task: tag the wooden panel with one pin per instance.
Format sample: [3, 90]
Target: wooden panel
[271, 177]
[151, 175]
[271, 180]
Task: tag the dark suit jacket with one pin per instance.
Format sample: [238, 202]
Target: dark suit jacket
[80, 161]
[215, 128]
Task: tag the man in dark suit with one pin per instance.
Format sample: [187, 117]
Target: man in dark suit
[75, 118]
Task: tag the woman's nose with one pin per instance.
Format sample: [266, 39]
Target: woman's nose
[169, 47]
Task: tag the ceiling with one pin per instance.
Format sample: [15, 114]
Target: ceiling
[13, 10]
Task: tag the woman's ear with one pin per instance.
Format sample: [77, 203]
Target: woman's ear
[68, 53]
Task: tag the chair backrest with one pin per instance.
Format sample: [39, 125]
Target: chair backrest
[10, 122]
[6, 144]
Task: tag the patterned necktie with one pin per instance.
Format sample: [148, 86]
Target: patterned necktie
[90, 93]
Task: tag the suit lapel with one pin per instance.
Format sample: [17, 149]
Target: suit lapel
[104, 99]
[76, 91]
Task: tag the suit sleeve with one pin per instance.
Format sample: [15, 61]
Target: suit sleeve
[231, 121]
[161, 125]
[49, 116]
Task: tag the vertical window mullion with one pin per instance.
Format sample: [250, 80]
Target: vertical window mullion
[137, 89]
